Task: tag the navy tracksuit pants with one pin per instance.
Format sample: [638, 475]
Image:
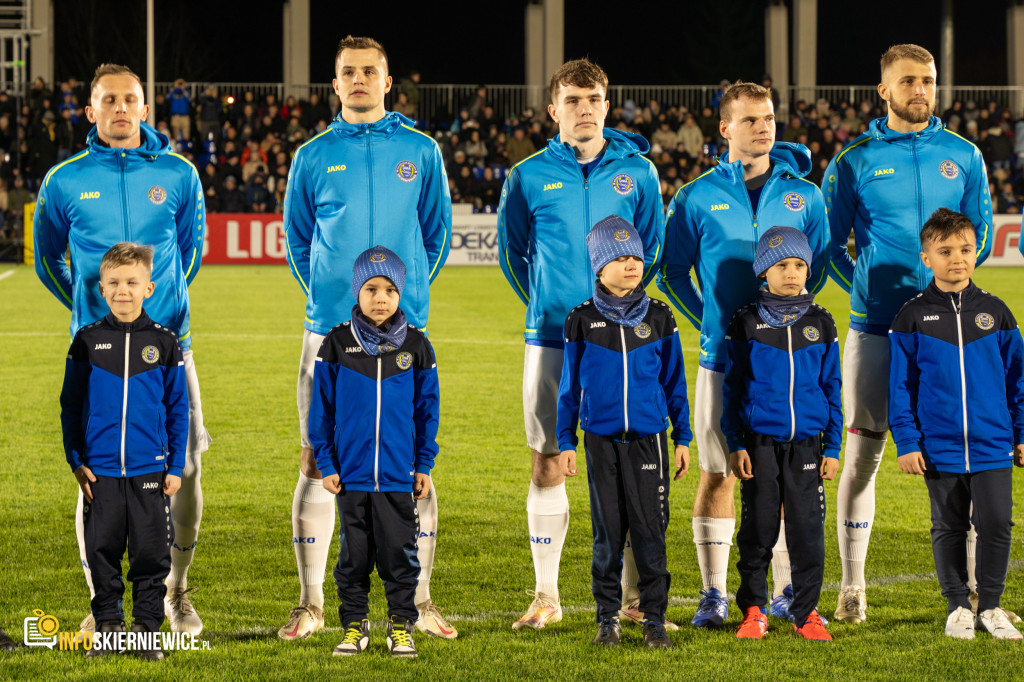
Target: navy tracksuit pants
[377, 529]
[951, 496]
[629, 484]
[785, 474]
[134, 512]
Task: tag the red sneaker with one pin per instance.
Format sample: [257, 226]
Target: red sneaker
[813, 629]
[754, 625]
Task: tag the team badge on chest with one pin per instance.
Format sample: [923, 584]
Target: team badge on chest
[157, 194]
[150, 355]
[406, 171]
[623, 184]
[811, 333]
[643, 330]
[984, 321]
[404, 360]
[793, 201]
[949, 169]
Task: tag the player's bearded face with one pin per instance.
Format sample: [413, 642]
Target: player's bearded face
[909, 88]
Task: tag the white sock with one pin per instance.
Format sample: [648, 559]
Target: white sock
[80, 535]
[426, 543]
[855, 504]
[972, 548]
[313, 512]
[630, 576]
[780, 563]
[713, 538]
[547, 515]
[186, 513]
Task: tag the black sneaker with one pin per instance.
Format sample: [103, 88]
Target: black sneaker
[655, 636]
[399, 639]
[155, 654]
[104, 627]
[609, 632]
[6, 643]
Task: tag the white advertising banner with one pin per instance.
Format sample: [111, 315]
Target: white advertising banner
[474, 239]
[1005, 240]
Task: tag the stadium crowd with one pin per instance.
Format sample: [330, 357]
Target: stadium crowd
[243, 148]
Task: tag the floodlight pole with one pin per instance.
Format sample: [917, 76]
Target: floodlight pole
[150, 65]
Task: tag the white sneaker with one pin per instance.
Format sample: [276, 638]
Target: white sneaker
[852, 604]
[995, 622]
[960, 624]
[399, 639]
[630, 612]
[432, 623]
[304, 620]
[88, 624]
[178, 608]
[357, 636]
[1010, 615]
[542, 611]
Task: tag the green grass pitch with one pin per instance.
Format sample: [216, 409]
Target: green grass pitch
[247, 323]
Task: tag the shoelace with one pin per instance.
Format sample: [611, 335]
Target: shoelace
[964, 618]
[813, 619]
[655, 632]
[353, 634]
[607, 628]
[852, 602]
[542, 600]
[707, 602]
[181, 602]
[400, 635]
[431, 610]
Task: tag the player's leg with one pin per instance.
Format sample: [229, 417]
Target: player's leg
[714, 513]
[782, 575]
[395, 530]
[313, 510]
[608, 509]
[105, 542]
[547, 505]
[761, 498]
[187, 511]
[430, 620]
[992, 493]
[150, 537]
[950, 499]
[356, 557]
[804, 497]
[865, 402]
[88, 623]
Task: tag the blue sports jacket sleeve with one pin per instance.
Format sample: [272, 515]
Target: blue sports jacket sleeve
[976, 205]
[673, 382]
[176, 406]
[680, 254]
[514, 236]
[50, 239]
[191, 222]
[649, 222]
[734, 385]
[321, 416]
[569, 389]
[426, 414]
[72, 402]
[832, 386]
[1011, 347]
[903, 382]
[435, 212]
[299, 220]
[819, 239]
[842, 205]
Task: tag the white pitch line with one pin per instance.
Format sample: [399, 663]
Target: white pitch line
[4, 275]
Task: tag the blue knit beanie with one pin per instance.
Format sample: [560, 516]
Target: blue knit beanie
[375, 262]
[612, 238]
[780, 242]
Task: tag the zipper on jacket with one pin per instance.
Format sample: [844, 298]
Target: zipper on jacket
[369, 185]
[625, 384]
[957, 306]
[792, 373]
[124, 398]
[376, 440]
[123, 162]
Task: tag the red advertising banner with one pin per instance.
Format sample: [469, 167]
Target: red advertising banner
[244, 239]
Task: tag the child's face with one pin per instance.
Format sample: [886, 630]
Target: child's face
[378, 299]
[622, 275]
[952, 260]
[787, 277]
[124, 288]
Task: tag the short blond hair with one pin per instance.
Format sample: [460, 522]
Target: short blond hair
[581, 73]
[738, 90]
[127, 253]
[914, 53]
[112, 70]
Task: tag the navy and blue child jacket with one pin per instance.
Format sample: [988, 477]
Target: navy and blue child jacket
[373, 419]
[956, 380]
[783, 382]
[622, 382]
[124, 405]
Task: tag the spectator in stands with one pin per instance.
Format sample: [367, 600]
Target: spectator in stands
[278, 193]
[232, 199]
[290, 108]
[252, 159]
[230, 168]
[212, 200]
[956, 109]
[179, 99]
[479, 101]
[453, 191]
[315, 111]
[64, 135]
[708, 123]
[475, 148]
[294, 133]
[664, 136]
[1007, 200]
[996, 148]
[257, 196]
[496, 151]
[209, 114]
[5, 132]
[248, 118]
[37, 93]
[462, 121]
[766, 81]
[410, 87]
[488, 188]
[17, 197]
[43, 145]
[715, 99]
[404, 106]
[690, 134]
[465, 182]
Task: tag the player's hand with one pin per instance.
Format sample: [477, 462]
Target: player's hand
[1018, 455]
[739, 464]
[172, 484]
[421, 486]
[829, 468]
[332, 484]
[682, 461]
[85, 477]
[569, 463]
[912, 463]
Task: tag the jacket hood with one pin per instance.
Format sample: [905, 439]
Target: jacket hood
[786, 157]
[152, 142]
[620, 145]
[880, 131]
[388, 125]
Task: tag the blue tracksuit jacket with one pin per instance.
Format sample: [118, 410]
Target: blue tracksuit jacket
[713, 229]
[352, 187]
[124, 405]
[783, 382]
[622, 382]
[373, 419]
[884, 186]
[956, 380]
[102, 196]
[547, 208]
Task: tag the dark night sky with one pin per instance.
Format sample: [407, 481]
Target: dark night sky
[462, 41]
